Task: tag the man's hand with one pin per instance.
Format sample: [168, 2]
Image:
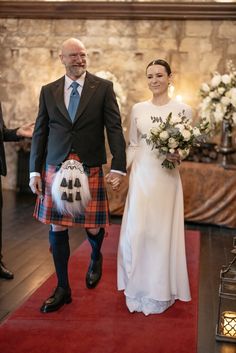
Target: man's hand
[36, 185]
[115, 180]
[25, 130]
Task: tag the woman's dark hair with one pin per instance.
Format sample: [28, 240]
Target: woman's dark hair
[162, 63]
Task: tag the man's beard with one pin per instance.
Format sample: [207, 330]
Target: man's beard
[77, 71]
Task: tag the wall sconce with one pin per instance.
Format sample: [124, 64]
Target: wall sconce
[54, 53]
[15, 52]
[138, 56]
[226, 320]
[96, 54]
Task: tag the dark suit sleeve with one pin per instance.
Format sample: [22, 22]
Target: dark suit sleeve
[7, 134]
[40, 137]
[114, 130]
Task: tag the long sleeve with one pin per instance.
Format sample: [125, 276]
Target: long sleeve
[133, 139]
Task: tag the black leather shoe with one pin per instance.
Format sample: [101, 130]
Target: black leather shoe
[5, 273]
[94, 273]
[59, 297]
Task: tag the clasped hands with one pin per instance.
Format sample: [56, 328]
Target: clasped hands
[114, 179]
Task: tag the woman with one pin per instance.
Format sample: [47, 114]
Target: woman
[151, 256]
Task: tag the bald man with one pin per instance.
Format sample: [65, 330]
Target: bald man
[74, 112]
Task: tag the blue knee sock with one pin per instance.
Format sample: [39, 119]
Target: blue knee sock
[60, 248]
[96, 243]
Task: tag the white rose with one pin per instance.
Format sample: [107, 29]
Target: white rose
[186, 134]
[172, 143]
[232, 95]
[205, 87]
[207, 100]
[216, 80]
[164, 135]
[218, 114]
[214, 94]
[221, 90]
[171, 150]
[180, 127]
[225, 100]
[225, 79]
[234, 118]
[233, 92]
[183, 153]
[196, 131]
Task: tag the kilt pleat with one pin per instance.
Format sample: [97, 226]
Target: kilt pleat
[96, 213]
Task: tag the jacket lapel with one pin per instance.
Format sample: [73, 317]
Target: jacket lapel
[59, 97]
[89, 88]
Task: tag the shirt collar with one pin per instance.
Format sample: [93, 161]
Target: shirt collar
[80, 81]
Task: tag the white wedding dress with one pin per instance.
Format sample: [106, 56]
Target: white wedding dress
[151, 255]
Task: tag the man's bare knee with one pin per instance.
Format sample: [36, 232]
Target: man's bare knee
[57, 228]
[93, 231]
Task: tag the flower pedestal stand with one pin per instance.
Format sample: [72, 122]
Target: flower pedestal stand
[226, 148]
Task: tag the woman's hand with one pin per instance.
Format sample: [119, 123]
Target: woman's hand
[173, 157]
[114, 179]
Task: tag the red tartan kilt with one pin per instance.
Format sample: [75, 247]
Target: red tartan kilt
[96, 213]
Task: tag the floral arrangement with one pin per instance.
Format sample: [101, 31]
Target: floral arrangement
[219, 98]
[176, 135]
[107, 75]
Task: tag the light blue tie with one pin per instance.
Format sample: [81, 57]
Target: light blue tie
[74, 100]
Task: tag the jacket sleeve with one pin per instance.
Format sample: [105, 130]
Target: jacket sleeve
[7, 134]
[40, 137]
[114, 130]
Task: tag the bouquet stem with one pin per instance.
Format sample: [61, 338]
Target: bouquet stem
[168, 164]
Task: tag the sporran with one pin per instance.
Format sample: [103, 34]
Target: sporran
[70, 188]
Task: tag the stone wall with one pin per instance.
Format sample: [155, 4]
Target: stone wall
[29, 59]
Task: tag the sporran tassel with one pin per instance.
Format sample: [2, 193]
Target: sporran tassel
[64, 196]
[70, 197]
[63, 182]
[77, 183]
[77, 196]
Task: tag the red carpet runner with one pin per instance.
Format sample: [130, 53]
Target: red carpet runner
[97, 321]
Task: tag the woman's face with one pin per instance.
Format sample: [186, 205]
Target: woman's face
[158, 79]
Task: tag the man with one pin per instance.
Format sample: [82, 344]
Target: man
[62, 134]
[8, 135]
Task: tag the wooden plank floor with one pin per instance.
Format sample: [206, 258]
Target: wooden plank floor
[25, 244]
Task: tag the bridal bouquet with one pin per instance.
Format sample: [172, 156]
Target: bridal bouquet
[219, 98]
[176, 135]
